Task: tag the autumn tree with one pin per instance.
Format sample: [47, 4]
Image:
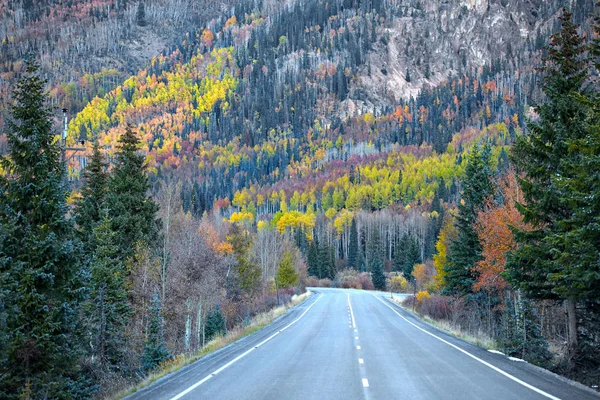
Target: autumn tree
[286, 273]
[247, 269]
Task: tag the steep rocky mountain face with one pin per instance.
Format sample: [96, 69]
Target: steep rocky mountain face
[431, 41]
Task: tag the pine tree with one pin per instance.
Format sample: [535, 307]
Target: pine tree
[543, 265]
[409, 255]
[377, 274]
[353, 246]
[324, 267]
[93, 194]
[109, 309]
[465, 251]
[140, 14]
[155, 351]
[40, 260]
[132, 210]
[286, 273]
[215, 324]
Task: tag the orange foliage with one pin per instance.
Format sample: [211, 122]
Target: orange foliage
[207, 38]
[497, 239]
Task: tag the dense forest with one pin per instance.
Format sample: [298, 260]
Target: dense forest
[255, 153]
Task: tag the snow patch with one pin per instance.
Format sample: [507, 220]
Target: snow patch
[516, 359]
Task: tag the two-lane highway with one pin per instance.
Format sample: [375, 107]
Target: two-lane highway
[348, 344]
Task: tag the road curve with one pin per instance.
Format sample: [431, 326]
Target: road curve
[349, 344]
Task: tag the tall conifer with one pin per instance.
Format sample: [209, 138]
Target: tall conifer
[132, 210]
[40, 260]
[542, 264]
[465, 251]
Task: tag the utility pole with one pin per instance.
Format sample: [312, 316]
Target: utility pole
[63, 141]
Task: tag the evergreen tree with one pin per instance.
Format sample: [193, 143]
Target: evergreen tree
[140, 14]
[353, 246]
[40, 260]
[465, 251]
[377, 274]
[109, 309]
[215, 324]
[324, 267]
[286, 273]
[93, 194]
[155, 351]
[132, 210]
[521, 336]
[545, 265]
[410, 255]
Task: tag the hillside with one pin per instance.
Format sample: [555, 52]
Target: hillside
[354, 143]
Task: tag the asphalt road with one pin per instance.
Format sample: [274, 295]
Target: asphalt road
[347, 344]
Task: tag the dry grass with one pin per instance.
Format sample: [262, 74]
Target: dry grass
[479, 339]
[256, 323]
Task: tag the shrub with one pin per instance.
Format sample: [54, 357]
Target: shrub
[422, 296]
[397, 283]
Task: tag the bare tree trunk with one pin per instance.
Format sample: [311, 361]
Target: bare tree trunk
[572, 332]
[199, 326]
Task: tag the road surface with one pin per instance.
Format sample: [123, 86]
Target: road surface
[351, 345]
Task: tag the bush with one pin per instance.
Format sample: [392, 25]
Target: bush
[397, 283]
[423, 296]
[365, 282]
[315, 282]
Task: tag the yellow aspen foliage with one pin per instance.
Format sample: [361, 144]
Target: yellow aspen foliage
[440, 259]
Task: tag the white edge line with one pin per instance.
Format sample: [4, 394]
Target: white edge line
[509, 376]
[194, 386]
[351, 311]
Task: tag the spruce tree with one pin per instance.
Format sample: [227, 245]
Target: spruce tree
[465, 251]
[132, 210]
[544, 265]
[40, 259]
[93, 194]
[377, 274]
[155, 351]
[353, 246]
[109, 308]
[215, 324]
[409, 254]
[324, 266]
[140, 14]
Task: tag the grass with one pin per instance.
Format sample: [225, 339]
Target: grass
[258, 322]
[480, 339]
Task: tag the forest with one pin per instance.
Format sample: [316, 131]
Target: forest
[224, 175]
